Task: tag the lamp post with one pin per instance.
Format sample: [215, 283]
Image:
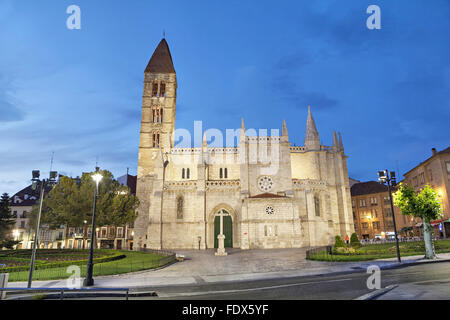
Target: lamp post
[388, 178]
[165, 164]
[35, 181]
[84, 233]
[89, 281]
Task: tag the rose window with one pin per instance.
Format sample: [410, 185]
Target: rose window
[265, 183]
[270, 210]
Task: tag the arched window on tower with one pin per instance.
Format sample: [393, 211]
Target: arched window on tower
[220, 173]
[161, 115]
[162, 89]
[155, 140]
[182, 173]
[153, 115]
[188, 173]
[155, 88]
[226, 173]
[317, 205]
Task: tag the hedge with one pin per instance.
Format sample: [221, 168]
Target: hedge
[40, 266]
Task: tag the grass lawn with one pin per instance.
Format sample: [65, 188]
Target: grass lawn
[381, 251]
[132, 261]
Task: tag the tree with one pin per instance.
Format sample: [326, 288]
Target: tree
[7, 221]
[338, 242]
[70, 202]
[425, 205]
[354, 241]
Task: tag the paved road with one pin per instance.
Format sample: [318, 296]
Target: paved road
[342, 287]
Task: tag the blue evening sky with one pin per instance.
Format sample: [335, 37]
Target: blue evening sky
[78, 93]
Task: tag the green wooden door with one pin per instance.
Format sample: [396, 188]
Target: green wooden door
[227, 231]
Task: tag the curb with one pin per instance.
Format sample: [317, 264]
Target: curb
[374, 294]
[57, 296]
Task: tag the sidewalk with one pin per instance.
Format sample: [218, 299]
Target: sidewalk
[424, 290]
[240, 265]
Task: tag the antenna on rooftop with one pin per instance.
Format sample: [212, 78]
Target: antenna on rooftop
[51, 161]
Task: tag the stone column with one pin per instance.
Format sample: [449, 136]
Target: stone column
[221, 243]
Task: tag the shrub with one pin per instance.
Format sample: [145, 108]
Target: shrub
[339, 243]
[354, 241]
[343, 250]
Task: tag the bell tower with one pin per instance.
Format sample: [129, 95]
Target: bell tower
[158, 108]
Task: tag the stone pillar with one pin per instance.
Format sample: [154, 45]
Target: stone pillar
[221, 243]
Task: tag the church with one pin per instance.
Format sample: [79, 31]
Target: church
[263, 192]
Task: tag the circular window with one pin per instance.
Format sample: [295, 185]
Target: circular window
[265, 183]
[270, 210]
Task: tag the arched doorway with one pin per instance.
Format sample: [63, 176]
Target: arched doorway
[227, 228]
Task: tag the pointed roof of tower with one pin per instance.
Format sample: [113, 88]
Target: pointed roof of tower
[284, 131]
[205, 141]
[161, 60]
[341, 145]
[335, 140]
[310, 124]
[312, 140]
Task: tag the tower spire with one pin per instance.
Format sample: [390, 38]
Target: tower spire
[242, 133]
[284, 132]
[312, 140]
[161, 60]
[341, 145]
[335, 141]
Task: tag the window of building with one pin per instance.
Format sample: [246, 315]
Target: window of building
[155, 140]
[376, 225]
[223, 173]
[364, 226]
[353, 203]
[180, 207]
[111, 232]
[104, 230]
[185, 173]
[373, 201]
[356, 226]
[317, 205]
[162, 89]
[22, 224]
[354, 215]
[362, 202]
[430, 172]
[415, 182]
[448, 166]
[120, 232]
[155, 89]
[422, 178]
[375, 212]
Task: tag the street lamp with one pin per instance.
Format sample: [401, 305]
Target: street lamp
[165, 164]
[388, 178]
[34, 184]
[84, 233]
[89, 281]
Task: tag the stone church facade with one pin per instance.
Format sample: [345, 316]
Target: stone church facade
[270, 193]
